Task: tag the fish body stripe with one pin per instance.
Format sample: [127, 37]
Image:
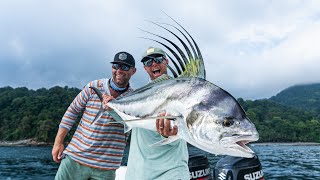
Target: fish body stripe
[160, 94]
[97, 145]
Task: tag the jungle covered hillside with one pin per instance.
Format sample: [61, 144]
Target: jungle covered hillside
[290, 116]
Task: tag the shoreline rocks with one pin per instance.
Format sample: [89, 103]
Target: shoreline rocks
[33, 142]
[25, 142]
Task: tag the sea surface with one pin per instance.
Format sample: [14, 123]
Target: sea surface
[278, 162]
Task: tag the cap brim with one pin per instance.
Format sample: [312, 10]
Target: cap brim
[144, 58]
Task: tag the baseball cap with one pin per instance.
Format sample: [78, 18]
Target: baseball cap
[152, 51]
[125, 58]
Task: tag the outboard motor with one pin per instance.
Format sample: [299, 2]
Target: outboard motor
[237, 168]
[199, 167]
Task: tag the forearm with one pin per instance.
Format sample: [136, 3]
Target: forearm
[58, 146]
[62, 133]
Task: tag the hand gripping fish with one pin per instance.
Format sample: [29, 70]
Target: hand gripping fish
[207, 116]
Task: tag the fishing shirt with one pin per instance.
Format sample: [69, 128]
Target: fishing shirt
[157, 162]
[164, 162]
[98, 145]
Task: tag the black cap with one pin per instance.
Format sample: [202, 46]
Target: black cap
[125, 58]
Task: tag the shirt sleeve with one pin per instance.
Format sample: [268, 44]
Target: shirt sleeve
[76, 107]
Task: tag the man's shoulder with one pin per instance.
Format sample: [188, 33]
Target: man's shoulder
[98, 82]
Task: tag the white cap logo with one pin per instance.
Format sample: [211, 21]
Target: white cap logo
[150, 50]
[122, 56]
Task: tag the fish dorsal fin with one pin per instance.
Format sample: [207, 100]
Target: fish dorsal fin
[190, 65]
[163, 77]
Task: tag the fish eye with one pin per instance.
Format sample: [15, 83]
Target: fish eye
[227, 122]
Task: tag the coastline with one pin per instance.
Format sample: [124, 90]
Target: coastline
[33, 142]
[25, 142]
[287, 144]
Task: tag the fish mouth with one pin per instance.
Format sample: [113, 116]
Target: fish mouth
[239, 142]
[242, 144]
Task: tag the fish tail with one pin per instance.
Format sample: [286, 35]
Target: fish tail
[97, 91]
[113, 114]
[101, 110]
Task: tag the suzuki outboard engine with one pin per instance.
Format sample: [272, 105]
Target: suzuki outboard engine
[237, 168]
[199, 168]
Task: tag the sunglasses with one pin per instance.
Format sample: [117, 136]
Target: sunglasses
[157, 60]
[123, 67]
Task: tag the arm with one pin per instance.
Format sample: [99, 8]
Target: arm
[76, 107]
[58, 146]
[68, 119]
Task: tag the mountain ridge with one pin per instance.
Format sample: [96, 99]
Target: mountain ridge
[303, 96]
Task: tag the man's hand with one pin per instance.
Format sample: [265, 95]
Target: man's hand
[57, 152]
[58, 146]
[164, 126]
[106, 99]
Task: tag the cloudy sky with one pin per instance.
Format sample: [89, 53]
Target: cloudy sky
[253, 49]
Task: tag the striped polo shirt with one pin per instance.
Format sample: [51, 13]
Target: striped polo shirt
[98, 145]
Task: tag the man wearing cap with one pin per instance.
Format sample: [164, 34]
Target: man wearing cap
[156, 162]
[96, 149]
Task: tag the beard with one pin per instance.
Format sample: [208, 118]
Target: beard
[121, 80]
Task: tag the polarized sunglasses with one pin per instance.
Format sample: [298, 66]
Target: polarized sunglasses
[149, 61]
[123, 67]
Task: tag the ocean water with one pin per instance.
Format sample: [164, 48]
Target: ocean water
[282, 161]
[26, 163]
[278, 162]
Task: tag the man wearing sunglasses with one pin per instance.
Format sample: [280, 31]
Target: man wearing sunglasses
[95, 150]
[156, 162]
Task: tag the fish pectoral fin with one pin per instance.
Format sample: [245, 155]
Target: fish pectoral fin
[115, 122]
[127, 128]
[165, 141]
[173, 118]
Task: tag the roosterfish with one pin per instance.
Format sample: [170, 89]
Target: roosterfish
[207, 116]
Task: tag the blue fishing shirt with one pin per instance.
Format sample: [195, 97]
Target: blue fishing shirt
[157, 162]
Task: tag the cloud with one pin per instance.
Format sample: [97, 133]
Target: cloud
[253, 49]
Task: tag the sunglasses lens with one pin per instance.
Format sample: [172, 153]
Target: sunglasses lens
[125, 67]
[158, 60]
[148, 62]
[115, 66]
[122, 66]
